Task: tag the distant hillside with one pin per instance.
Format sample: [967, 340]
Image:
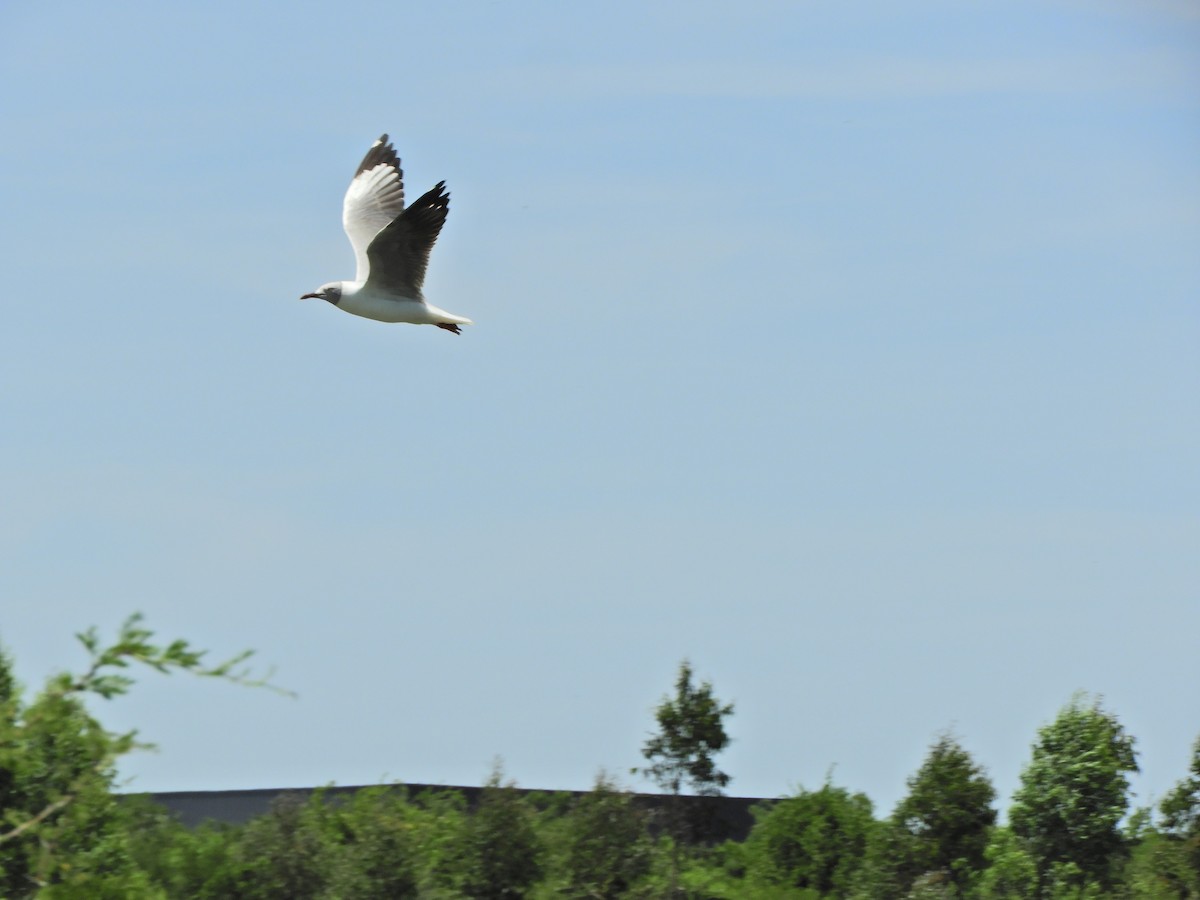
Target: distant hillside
[731, 816]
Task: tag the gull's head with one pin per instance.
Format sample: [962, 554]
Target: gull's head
[331, 292]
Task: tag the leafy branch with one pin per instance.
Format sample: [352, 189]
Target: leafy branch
[105, 677]
[134, 644]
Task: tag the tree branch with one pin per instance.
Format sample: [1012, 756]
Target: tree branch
[38, 819]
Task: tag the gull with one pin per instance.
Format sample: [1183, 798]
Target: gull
[391, 245]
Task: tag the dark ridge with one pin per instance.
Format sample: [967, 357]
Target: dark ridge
[729, 818]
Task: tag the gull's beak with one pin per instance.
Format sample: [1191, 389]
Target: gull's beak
[311, 296]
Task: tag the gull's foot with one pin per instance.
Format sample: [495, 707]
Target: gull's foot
[448, 327]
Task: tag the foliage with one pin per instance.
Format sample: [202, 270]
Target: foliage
[181, 862]
[718, 873]
[1072, 796]
[815, 840]
[370, 844]
[934, 842]
[500, 848]
[889, 867]
[691, 731]
[1011, 873]
[60, 830]
[1180, 810]
[948, 813]
[1181, 807]
[1159, 869]
[65, 834]
[59, 817]
[439, 819]
[607, 848]
[374, 843]
[282, 853]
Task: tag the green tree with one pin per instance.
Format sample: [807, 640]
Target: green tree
[691, 732]
[500, 846]
[1072, 796]
[814, 840]
[373, 843]
[607, 848]
[56, 771]
[888, 868]
[196, 863]
[439, 822]
[61, 832]
[1180, 810]
[370, 846]
[1011, 873]
[284, 853]
[1158, 869]
[948, 814]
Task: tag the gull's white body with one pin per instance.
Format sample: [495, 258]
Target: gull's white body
[391, 245]
[362, 300]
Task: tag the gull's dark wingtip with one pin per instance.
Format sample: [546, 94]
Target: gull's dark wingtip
[381, 153]
[449, 327]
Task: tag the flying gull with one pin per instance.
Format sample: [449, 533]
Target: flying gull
[391, 245]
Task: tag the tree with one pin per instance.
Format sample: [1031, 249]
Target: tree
[886, 871]
[1072, 795]
[373, 844]
[283, 853]
[1181, 814]
[369, 845]
[1181, 807]
[691, 732]
[197, 863]
[1011, 873]
[607, 847]
[439, 821]
[361, 846]
[814, 840]
[1158, 869]
[501, 848]
[948, 813]
[61, 831]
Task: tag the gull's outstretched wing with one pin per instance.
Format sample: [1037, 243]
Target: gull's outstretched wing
[373, 200]
[399, 255]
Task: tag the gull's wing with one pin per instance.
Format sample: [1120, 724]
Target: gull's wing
[399, 254]
[373, 200]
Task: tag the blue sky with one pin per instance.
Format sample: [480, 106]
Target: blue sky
[848, 351]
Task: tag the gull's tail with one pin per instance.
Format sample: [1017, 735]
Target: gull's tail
[447, 320]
